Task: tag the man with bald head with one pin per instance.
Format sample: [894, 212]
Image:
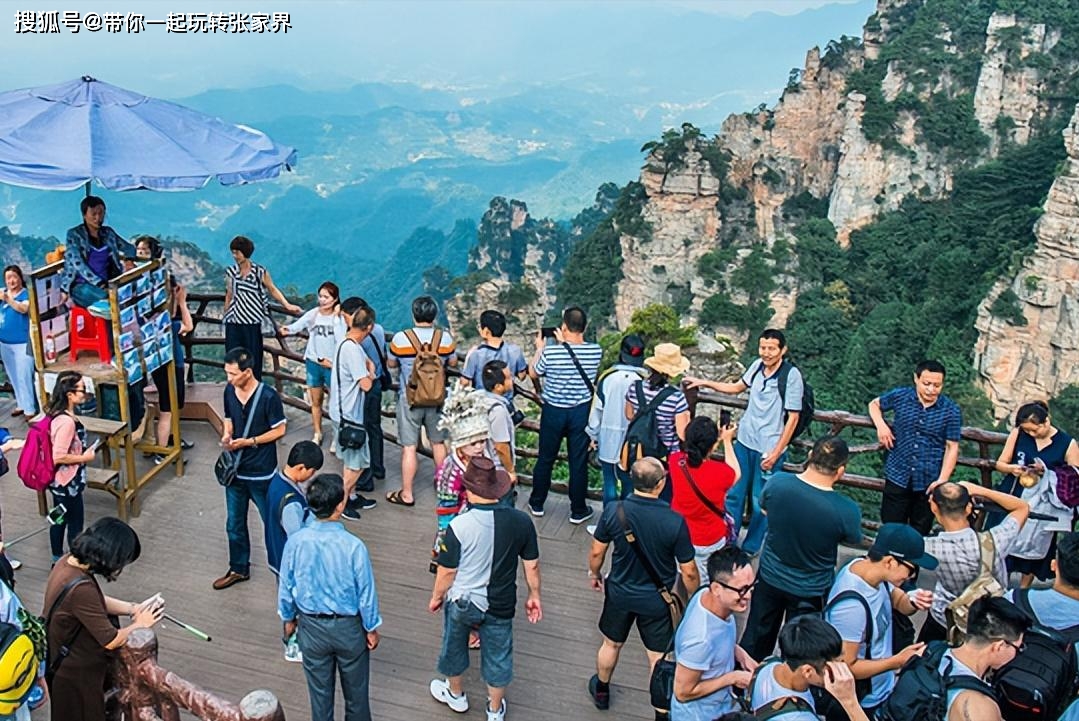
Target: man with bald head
[958, 546]
[629, 595]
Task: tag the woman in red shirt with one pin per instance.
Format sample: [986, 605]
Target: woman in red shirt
[707, 529]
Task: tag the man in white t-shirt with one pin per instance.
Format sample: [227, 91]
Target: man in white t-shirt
[353, 374]
[809, 651]
[498, 389]
[860, 606]
[710, 661]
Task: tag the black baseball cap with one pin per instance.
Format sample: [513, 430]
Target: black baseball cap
[903, 543]
[632, 351]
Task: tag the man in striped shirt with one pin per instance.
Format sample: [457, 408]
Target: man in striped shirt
[568, 367]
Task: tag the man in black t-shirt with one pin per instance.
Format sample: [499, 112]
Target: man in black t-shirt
[630, 596]
[258, 461]
[476, 585]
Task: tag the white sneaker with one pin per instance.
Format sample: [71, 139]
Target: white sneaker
[333, 446]
[16, 564]
[317, 439]
[292, 650]
[440, 689]
[591, 528]
[499, 715]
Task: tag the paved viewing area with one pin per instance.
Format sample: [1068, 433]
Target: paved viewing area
[182, 529]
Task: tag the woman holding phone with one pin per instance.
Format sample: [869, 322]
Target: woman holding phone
[70, 454]
[78, 617]
[1034, 445]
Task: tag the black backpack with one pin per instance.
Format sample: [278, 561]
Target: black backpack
[642, 435]
[1040, 682]
[805, 416]
[921, 692]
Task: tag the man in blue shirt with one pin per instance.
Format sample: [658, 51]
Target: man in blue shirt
[287, 500]
[492, 327]
[922, 443]
[326, 594]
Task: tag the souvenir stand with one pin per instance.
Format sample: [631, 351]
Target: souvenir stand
[137, 339]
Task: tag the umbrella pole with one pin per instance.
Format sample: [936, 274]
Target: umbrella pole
[87, 188]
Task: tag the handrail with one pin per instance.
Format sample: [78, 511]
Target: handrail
[142, 689]
[837, 421]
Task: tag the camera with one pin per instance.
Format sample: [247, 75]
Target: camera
[547, 331]
[517, 416]
[724, 419]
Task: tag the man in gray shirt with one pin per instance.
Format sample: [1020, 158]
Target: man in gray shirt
[353, 373]
[765, 430]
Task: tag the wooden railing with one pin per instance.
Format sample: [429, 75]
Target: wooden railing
[144, 691]
[206, 315]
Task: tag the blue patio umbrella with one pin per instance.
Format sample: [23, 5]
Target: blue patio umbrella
[64, 136]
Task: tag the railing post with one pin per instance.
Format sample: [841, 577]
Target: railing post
[261, 705]
[134, 697]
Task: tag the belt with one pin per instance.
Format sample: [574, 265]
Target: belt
[329, 615]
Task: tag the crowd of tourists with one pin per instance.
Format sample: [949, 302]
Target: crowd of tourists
[701, 525]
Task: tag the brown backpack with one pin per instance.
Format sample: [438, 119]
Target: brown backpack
[986, 584]
[426, 386]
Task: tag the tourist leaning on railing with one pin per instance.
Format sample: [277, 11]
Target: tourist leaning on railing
[15, 340]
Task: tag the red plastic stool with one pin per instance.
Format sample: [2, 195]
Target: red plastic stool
[88, 332]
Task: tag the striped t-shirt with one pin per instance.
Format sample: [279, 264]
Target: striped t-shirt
[563, 386]
[248, 306]
[671, 406]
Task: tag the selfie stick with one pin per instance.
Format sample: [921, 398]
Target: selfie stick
[191, 629]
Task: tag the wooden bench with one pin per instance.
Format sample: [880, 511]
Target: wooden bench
[202, 402]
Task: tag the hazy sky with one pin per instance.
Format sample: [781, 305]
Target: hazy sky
[333, 43]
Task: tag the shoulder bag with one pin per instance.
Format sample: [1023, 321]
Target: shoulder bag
[228, 463]
[573, 356]
[52, 665]
[350, 435]
[728, 519]
[661, 683]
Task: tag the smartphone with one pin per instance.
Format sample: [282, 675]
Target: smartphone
[724, 419]
[93, 446]
[547, 331]
[56, 515]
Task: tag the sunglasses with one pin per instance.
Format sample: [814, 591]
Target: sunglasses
[742, 592]
[1019, 647]
[912, 569]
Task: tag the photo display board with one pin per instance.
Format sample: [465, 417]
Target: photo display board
[145, 324]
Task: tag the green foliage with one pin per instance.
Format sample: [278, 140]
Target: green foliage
[672, 147]
[754, 275]
[1006, 307]
[805, 205]
[713, 265]
[1065, 409]
[835, 53]
[517, 295]
[655, 323]
[719, 159]
[910, 284]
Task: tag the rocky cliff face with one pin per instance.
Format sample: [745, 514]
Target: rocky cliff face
[1035, 354]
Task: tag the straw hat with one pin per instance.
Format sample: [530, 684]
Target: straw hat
[667, 358]
[482, 478]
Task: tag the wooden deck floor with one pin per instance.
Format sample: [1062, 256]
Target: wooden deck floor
[184, 548]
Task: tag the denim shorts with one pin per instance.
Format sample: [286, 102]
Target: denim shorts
[496, 643]
[317, 376]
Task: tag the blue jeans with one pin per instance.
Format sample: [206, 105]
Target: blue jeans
[19, 366]
[496, 643]
[236, 498]
[85, 295]
[753, 478]
[555, 424]
[612, 476]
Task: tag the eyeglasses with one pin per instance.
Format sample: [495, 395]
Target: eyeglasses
[1019, 647]
[912, 569]
[742, 592]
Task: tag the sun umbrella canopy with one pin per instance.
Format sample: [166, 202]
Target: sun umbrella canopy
[63, 136]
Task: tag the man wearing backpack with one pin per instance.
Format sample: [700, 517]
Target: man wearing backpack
[958, 547]
[607, 420]
[861, 602]
[922, 444]
[568, 368]
[946, 684]
[1043, 679]
[493, 347]
[425, 351]
[776, 391]
[809, 657]
[808, 522]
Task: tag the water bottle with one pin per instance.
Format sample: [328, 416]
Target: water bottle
[50, 349]
[36, 696]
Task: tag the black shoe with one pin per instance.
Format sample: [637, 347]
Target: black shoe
[350, 514]
[579, 519]
[362, 503]
[379, 475]
[367, 487]
[601, 699]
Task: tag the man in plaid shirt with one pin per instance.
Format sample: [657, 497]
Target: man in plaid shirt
[958, 547]
[922, 443]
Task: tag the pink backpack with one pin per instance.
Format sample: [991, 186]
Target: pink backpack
[1068, 485]
[36, 468]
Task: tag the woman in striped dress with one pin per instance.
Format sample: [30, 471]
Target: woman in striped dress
[246, 304]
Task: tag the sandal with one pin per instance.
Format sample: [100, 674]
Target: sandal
[473, 642]
[395, 498]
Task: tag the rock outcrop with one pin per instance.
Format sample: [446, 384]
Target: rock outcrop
[1039, 358]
